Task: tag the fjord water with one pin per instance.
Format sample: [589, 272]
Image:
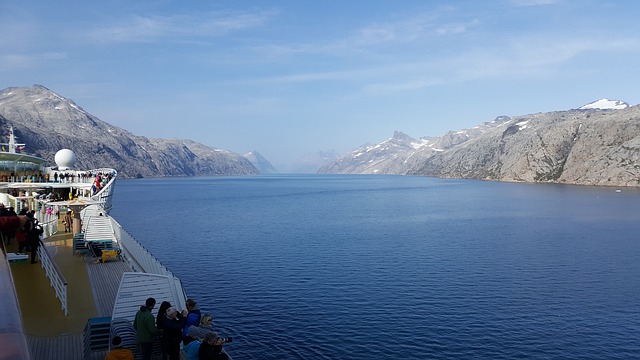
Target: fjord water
[393, 267]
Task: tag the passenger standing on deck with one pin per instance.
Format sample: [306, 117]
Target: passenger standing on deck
[206, 325]
[193, 318]
[21, 238]
[162, 311]
[211, 348]
[145, 327]
[67, 221]
[32, 232]
[5, 233]
[172, 332]
[160, 320]
[191, 349]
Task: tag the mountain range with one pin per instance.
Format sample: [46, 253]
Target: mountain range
[596, 144]
[48, 122]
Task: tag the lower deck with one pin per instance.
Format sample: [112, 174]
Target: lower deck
[91, 292]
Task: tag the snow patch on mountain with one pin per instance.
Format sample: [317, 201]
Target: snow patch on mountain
[606, 104]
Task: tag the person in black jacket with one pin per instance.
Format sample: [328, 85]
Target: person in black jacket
[32, 231]
[160, 320]
[211, 348]
[172, 334]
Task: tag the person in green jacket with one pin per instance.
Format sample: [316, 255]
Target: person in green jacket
[145, 326]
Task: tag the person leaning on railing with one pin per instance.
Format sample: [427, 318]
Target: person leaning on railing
[211, 348]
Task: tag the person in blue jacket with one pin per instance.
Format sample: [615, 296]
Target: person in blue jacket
[193, 318]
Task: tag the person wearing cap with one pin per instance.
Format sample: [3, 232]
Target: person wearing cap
[191, 348]
[172, 332]
[117, 352]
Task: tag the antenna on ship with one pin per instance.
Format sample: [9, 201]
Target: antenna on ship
[12, 143]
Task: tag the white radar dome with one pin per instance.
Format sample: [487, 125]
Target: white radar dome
[65, 159]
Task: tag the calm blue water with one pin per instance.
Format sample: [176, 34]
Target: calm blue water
[392, 267]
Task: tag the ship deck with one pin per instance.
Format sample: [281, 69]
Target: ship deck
[91, 292]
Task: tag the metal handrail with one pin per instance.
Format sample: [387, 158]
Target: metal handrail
[56, 279]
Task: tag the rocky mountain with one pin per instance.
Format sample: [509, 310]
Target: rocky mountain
[263, 165]
[48, 122]
[598, 144]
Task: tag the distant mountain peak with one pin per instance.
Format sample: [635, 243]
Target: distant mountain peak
[605, 104]
[263, 165]
[400, 136]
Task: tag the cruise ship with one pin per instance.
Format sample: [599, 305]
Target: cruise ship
[91, 275]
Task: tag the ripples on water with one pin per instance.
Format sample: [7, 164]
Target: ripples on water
[360, 267]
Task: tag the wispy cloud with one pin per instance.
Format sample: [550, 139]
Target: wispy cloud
[162, 28]
[16, 61]
[377, 89]
[379, 36]
[11, 62]
[418, 27]
[521, 58]
[340, 75]
[533, 2]
[525, 58]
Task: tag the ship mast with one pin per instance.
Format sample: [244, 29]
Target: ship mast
[12, 142]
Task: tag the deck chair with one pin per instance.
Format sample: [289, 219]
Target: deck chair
[79, 245]
[101, 252]
[124, 329]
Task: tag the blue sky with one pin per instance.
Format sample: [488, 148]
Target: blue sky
[287, 78]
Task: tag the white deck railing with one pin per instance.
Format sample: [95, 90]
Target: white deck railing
[50, 226]
[106, 193]
[56, 279]
[141, 259]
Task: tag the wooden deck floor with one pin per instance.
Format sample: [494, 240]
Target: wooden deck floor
[92, 290]
[70, 347]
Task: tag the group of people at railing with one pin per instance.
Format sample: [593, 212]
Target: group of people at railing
[188, 331]
[55, 194]
[65, 177]
[100, 180]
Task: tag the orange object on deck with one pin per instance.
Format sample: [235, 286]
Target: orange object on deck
[110, 254]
